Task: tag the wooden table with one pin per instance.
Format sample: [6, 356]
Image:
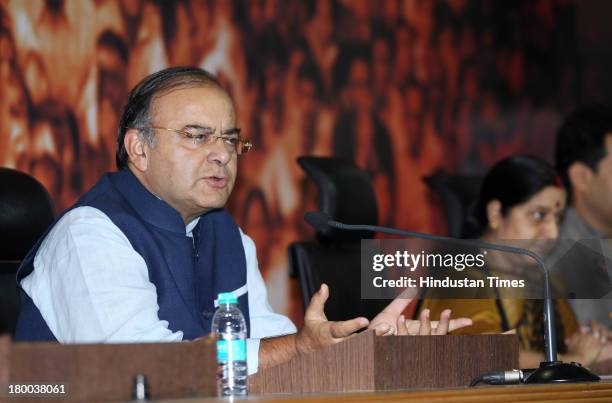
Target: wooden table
[105, 372]
[577, 392]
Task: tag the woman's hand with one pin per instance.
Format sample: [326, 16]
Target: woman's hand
[597, 330]
[583, 347]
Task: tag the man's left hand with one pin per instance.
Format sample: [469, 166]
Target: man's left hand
[318, 331]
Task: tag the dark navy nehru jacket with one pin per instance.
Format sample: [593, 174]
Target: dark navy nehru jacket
[188, 273]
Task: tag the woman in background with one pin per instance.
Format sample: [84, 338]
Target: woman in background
[521, 204]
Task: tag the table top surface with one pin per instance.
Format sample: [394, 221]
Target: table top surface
[575, 392]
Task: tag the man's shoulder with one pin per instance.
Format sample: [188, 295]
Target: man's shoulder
[574, 227]
[82, 215]
[101, 195]
[80, 231]
[83, 221]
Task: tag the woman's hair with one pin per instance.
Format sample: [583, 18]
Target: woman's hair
[512, 181]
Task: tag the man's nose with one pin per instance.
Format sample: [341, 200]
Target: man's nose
[218, 152]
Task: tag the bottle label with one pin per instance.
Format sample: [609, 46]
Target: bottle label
[232, 350]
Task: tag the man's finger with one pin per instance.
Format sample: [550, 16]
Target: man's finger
[459, 323]
[408, 294]
[316, 306]
[381, 329]
[402, 329]
[398, 305]
[425, 328]
[442, 327]
[347, 327]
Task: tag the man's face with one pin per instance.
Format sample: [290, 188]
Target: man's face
[598, 197]
[193, 177]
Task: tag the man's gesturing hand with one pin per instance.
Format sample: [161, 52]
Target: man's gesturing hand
[318, 331]
[390, 321]
[424, 326]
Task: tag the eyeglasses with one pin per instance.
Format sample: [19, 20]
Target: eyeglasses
[204, 136]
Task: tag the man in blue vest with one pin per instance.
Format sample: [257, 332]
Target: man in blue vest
[142, 256]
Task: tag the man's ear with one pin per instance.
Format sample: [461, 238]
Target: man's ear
[580, 176]
[137, 149]
[494, 215]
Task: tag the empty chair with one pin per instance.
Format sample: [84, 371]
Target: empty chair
[346, 195]
[25, 214]
[458, 193]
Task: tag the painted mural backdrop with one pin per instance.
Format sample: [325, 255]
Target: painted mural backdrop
[403, 88]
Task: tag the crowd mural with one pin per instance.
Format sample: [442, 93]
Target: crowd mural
[401, 87]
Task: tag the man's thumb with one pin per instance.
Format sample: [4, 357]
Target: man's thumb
[317, 302]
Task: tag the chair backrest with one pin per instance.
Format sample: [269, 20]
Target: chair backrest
[25, 214]
[347, 195]
[458, 194]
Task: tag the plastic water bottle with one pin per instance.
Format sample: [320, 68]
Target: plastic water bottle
[230, 328]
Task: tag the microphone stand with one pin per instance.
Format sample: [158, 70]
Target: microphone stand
[551, 369]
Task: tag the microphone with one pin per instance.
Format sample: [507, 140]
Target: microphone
[550, 370]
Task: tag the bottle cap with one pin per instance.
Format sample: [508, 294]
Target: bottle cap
[140, 391]
[227, 298]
